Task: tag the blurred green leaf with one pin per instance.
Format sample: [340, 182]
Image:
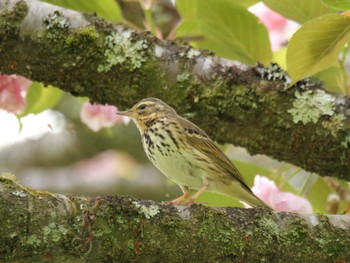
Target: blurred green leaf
[299, 10]
[250, 170]
[245, 3]
[108, 9]
[188, 28]
[338, 4]
[187, 8]
[319, 194]
[40, 98]
[279, 57]
[189, 25]
[214, 199]
[316, 45]
[233, 32]
[332, 79]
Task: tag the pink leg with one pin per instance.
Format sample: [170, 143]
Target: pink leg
[186, 194]
[194, 197]
[178, 200]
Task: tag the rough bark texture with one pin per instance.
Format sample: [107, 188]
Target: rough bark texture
[90, 57]
[39, 226]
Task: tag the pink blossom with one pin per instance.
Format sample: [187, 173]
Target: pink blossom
[97, 116]
[109, 164]
[267, 191]
[12, 93]
[280, 28]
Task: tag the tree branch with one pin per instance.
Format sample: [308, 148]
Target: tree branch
[233, 103]
[39, 226]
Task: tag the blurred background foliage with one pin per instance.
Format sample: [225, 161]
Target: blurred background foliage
[64, 155]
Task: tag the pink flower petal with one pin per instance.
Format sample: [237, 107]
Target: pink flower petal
[280, 28]
[97, 116]
[12, 93]
[267, 191]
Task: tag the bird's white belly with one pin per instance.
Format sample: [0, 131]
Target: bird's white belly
[174, 165]
[176, 168]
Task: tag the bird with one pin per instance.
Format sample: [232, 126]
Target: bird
[186, 154]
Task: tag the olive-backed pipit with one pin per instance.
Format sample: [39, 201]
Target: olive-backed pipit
[186, 154]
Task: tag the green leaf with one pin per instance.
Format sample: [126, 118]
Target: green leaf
[40, 98]
[188, 28]
[318, 195]
[108, 9]
[299, 10]
[218, 200]
[245, 3]
[332, 80]
[338, 4]
[279, 57]
[187, 8]
[316, 45]
[188, 11]
[189, 25]
[233, 32]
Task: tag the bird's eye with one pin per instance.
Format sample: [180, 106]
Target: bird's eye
[142, 106]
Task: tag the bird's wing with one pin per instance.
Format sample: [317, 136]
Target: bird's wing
[201, 141]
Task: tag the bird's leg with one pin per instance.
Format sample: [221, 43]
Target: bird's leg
[195, 196]
[186, 194]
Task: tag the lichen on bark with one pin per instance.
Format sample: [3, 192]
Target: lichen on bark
[233, 103]
[123, 229]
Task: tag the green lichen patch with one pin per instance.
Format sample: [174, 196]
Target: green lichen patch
[334, 124]
[19, 193]
[310, 105]
[56, 26]
[121, 48]
[33, 240]
[182, 77]
[192, 53]
[345, 143]
[147, 211]
[54, 232]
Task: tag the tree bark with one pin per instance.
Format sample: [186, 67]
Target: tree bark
[38, 226]
[233, 103]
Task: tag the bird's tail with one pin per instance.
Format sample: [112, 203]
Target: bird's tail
[244, 193]
[254, 201]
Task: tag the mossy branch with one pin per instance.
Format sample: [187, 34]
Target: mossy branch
[233, 103]
[38, 226]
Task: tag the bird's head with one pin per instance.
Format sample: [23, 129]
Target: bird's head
[148, 110]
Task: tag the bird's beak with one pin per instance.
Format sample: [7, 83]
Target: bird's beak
[126, 113]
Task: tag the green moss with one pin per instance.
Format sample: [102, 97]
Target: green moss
[147, 211]
[334, 124]
[57, 26]
[121, 48]
[7, 177]
[10, 21]
[82, 37]
[310, 105]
